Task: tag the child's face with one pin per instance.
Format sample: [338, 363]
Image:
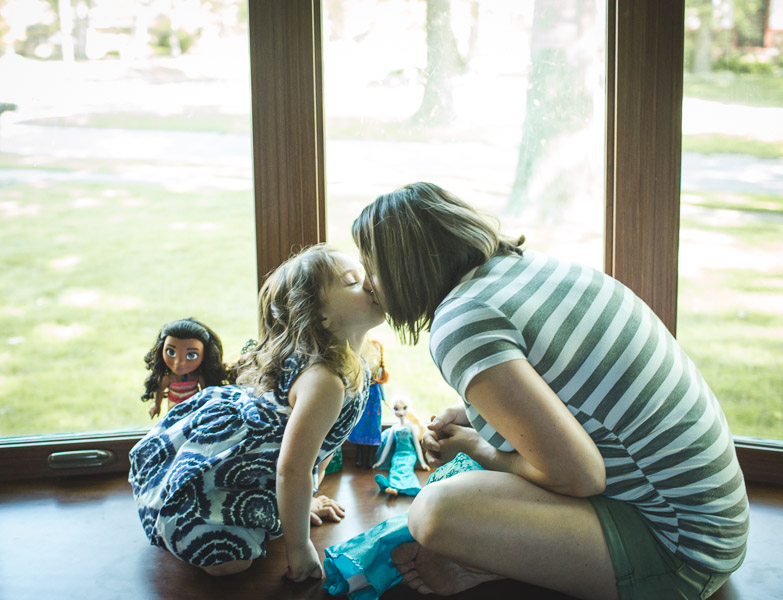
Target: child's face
[350, 307]
[182, 356]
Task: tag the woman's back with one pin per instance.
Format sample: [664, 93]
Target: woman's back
[662, 434]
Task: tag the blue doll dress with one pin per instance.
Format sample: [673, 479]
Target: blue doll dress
[204, 478]
[368, 430]
[362, 568]
[402, 474]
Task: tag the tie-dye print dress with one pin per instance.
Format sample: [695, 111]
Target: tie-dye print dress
[204, 478]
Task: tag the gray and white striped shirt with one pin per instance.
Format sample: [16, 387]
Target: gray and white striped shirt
[663, 436]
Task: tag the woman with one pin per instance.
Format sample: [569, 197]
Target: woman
[610, 469]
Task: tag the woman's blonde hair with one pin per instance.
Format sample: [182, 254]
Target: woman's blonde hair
[290, 306]
[419, 241]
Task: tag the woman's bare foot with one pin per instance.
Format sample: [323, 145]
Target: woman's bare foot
[429, 573]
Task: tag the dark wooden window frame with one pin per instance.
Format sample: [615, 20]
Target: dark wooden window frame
[644, 108]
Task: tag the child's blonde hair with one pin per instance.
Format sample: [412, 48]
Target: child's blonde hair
[290, 306]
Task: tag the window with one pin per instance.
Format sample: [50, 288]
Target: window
[731, 255]
[644, 90]
[502, 103]
[126, 202]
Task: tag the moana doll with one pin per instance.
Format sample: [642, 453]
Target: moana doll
[187, 357]
[401, 440]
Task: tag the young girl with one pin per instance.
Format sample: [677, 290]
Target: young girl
[401, 441]
[233, 467]
[187, 356]
[610, 470]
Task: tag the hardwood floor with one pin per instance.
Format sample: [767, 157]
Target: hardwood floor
[81, 539]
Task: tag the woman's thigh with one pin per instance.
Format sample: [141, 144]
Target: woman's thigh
[503, 524]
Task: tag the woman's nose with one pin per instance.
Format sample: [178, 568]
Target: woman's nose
[367, 285]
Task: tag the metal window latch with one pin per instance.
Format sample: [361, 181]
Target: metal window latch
[79, 459]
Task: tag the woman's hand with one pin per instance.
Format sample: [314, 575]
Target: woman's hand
[454, 439]
[323, 507]
[435, 432]
[304, 563]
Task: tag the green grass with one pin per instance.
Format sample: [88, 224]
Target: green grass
[726, 144]
[734, 88]
[730, 319]
[90, 273]
[192, 119]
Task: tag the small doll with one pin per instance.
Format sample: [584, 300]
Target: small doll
[401, 440]
[367, 433]
[187, 357]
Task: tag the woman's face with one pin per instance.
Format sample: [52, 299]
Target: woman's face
[182, 356]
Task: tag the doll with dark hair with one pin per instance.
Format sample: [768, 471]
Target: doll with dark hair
[187, 357]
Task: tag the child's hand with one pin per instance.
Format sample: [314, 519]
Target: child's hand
[322, 507]
[304, 564]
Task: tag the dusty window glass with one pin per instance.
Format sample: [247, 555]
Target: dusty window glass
[499, 102]
[730, 312]
[125, 199]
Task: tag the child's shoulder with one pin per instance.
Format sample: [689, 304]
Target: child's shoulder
[319, 373]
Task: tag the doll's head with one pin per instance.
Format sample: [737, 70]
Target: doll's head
[290, 306]
[401, 407]
[185, 346]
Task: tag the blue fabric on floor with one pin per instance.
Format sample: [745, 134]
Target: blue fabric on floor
[362, 568]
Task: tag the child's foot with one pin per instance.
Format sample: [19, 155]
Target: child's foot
[429, 573]
[391, 491]
[228, 568]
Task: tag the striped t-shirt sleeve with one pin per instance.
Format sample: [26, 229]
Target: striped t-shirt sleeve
[469, 337]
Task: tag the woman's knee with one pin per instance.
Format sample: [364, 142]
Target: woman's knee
[432, 512]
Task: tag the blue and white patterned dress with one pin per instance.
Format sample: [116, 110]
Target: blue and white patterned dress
[204, 478]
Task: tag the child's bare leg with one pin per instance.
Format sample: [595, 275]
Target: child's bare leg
[231, 567]
[483, 522]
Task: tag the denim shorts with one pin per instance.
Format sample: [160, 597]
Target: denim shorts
[645, 569]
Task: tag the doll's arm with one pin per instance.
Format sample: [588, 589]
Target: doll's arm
[417, 445]
[317, 397]
[155, 408]
[386, 449]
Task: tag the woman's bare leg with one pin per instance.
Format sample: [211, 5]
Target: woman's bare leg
[483, 525]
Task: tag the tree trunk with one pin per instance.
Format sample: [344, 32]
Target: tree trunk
[443, 62]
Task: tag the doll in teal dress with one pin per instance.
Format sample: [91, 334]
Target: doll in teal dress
[401, 441]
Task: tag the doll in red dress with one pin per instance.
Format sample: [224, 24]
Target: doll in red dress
[187, 357]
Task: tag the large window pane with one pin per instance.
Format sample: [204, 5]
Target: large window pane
[125, 199]
[500, 102]
[730, 315]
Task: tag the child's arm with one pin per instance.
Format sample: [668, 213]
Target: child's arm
[317, 397]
